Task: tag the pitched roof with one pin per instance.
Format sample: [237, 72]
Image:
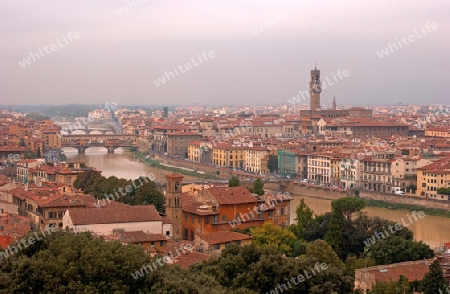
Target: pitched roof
[140, 236]
[232, 195]
[185, 260]
[223, 237]
[174, 176]
[412, 270]
[114, 214]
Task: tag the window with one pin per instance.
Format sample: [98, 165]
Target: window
[216, 246]
[214, 219]
[282, 210]
[186, 216]
[161, 243]
[206, 219]
[224, 217]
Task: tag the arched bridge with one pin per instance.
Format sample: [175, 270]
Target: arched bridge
[110, 141]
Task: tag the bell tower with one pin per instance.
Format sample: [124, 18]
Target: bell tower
[173, 203]
[315, 88]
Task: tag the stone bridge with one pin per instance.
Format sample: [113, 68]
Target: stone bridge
[110, 141]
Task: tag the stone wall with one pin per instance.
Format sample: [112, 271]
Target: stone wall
[330, 194]
[403, 199]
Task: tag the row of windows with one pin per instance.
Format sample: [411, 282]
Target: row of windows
[55, 214]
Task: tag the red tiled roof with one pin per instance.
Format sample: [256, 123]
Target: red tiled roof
[140, 236]
[412, 270]
[232, 195]
[174, 176]
[185, 260]
[223, 237]
[114, 214]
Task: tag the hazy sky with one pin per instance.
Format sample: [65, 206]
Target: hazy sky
[118, 55]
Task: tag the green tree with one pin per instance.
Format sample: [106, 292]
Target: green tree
[270, 235]
[22, 143]
[85, 180]
[396, 249]
[258, 187]
[272, 163]
[348, 206]
[335, 235]
[318, 227]
[434, 280]
[352, 263]
[233, 182]
[36, 116]
[324, 253]
[443, 190]
[148, 193]
[304, 216]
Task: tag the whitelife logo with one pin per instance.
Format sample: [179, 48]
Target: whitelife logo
[327, 83]
[49, 49]
[411, 38]
[184, 68]
[279, 17]
[380, 235]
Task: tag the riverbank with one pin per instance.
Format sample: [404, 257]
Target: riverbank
[387, 201]
[409, 207]
[184, 171]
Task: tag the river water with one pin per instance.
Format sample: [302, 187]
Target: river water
[432, 230]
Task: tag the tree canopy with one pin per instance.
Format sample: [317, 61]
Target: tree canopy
[258, 187]
[233, 182]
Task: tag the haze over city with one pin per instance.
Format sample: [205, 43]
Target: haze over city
[263, 51]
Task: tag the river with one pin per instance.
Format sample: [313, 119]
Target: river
[432, 230]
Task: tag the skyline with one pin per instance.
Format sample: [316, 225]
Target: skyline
[263, 52]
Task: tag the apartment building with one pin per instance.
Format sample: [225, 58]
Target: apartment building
[254, 157]
[349, 172]
[319, 168]
[229, 155]
[432, 177]
[200, 152]
[376, 173]
[404, 170]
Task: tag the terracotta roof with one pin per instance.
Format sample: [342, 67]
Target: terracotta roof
[192, 206]
[223, 237]
[114, 214]
[232, 195]
[412, 270]
[12, 149]
[183, 134]
[140, 236]
[174, 176]
[185, 260]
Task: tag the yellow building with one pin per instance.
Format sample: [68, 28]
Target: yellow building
[432, 177]
[228, 155]
[254, 156]
[194, 151]
[335, 170]
[437, 132]
[213, 243]
[200, 152]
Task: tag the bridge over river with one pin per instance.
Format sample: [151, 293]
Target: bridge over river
[81, 142]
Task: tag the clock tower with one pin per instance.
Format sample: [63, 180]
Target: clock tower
[173, 203]
[315, 88]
